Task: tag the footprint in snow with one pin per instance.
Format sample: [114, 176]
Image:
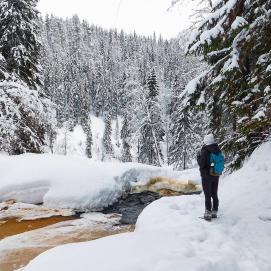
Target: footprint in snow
[174, 207]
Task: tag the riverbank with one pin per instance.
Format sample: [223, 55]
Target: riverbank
[61, 196]
[38, 228]
[169, 234]
[17, 250]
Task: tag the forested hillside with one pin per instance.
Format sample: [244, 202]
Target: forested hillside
[58, 73]
[88, 70]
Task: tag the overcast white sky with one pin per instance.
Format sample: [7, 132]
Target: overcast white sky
[143, 16]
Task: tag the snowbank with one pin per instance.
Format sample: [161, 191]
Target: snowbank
[71, 182]
[170, 236]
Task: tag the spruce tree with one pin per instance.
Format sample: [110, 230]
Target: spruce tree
[236, 42]
[19, 44]
[125, 136]
[23, 118]
[181, 145]
[107, 143]
[27, 116]
[86, 125]
[152, 131]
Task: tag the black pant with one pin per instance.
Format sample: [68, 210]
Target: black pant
[210, 187]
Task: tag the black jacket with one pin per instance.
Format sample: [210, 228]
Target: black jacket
[203, 159]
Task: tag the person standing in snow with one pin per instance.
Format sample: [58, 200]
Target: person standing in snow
[211, 164]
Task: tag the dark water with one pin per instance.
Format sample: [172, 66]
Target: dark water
[131, 206]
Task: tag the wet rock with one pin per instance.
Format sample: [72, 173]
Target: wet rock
[131, 206]
[168, 187]
[24, 211]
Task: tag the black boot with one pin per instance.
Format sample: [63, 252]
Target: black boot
[214, 214]
[208, 215]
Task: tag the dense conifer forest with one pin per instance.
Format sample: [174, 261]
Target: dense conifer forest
[59, 72]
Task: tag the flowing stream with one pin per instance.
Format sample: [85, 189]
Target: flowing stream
[23, 240]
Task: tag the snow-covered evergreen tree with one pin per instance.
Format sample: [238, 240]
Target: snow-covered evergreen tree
[152, 131]
[199, 10]
[107, 140]
[126, 147]
[182, 145]
[187, 131]
[26, 113]
[3, 70]
[18, 40]
[23, 118]
[187, 123]
[235, 40]
[86, 125]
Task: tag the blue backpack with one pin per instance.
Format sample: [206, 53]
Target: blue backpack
[216, 164]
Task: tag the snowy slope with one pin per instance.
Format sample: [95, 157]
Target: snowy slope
[97, 129]
[71, 181]
[170, 236]
[74, 142]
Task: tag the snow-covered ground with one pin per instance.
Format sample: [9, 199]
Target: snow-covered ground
[70, 142]
[73, 182]
[74, 142]
[170, 236]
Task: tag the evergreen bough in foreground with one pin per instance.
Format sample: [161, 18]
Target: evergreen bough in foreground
[235, 40]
